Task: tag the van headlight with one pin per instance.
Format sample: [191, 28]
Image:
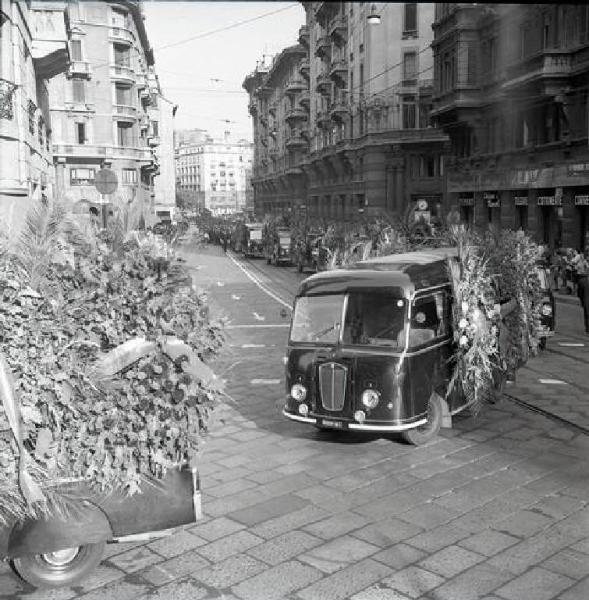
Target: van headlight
[547, 310]
[370, 398]
[298, 392]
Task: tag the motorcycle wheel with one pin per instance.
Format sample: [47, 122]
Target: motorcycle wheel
[62, 568]
[424, 433]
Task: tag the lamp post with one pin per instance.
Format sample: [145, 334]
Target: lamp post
[373, 17]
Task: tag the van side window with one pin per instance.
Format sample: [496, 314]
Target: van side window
[429, 318]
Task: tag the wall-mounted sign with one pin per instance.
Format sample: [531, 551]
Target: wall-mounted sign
[466, 200]
[582, 200]
[549, 201]
[578, 169]
[492, 199]
[520, 200]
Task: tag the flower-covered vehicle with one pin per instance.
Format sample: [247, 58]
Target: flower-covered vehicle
[310, 253]
[255, 245]
[370, 347]
[548, 309]
[278, 250]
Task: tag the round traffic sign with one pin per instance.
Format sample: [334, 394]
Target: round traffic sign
[106, 181]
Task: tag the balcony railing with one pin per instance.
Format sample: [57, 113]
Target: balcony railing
[295, 85]
[121, 34]
[153, 140]
[323, 47]
[323, 84]
[295, 141]
[80, 67]
[548, 63]
[304, 68]
[338, 72]
[305, 99]
[296, 114]
[304, 36]
[339, 110]
[125, 110]
[323, 119]
[338, 30]
[102, 151]
[122, 72]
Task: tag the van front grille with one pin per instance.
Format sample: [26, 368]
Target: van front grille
[332, 386]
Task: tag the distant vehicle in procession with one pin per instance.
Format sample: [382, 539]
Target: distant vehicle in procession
[310, 253]
[548, 310]
[254, 247]
[369, 347]
[278, 250]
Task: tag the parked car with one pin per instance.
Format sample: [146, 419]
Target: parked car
[278, 252]
[369, 347]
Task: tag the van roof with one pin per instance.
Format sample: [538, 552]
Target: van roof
[408, 273]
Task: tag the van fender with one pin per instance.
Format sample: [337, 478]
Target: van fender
[79, 525]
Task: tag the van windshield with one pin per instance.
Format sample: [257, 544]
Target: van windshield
[317, 319]
[256, 234]
[376, 319]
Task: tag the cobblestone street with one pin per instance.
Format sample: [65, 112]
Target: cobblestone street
[495, 508]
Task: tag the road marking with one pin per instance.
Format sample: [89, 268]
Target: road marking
[258, 317]
[256, 326]
[260, 284]
[265, 381]
[253, 345]
[552, 382]
[571, 344]
[235, 297]
[220, 283]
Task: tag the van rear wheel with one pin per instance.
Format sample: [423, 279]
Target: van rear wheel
[62, 568]
[426, 432]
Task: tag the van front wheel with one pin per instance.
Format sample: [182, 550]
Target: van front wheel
[426, 432]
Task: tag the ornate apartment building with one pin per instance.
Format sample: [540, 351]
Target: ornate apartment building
[105, 109]
[214, 174]
[511, 89]
[33, 49]
[341, 120]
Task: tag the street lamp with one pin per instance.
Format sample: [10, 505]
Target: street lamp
[373, 17]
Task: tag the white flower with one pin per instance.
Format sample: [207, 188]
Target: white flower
[462, 323]
[476, 313]
[465, 307]
[463, 340]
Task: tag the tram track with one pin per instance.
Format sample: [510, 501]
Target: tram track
[284, 282]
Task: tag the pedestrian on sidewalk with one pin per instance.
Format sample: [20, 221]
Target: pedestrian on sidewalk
[583, 286]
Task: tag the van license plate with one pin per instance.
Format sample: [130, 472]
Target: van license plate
[334, 424]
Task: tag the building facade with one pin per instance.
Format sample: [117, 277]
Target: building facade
[104, 110]
[354, 99]
[511, 88]
[213, 174]
[33, 49]
[165, 182]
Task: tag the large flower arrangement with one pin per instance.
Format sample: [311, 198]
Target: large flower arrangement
[107, 358]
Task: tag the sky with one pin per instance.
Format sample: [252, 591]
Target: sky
[204, 76]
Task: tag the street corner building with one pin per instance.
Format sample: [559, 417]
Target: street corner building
[510, 90]
[82, 94]
[341, 120]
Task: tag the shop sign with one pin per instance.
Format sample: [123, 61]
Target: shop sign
[492, 199]
[525, 177]
[466, 200]
[520, 200]
[578, 169]
[549, 201]
[582, 200]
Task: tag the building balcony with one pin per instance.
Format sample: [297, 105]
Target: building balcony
[274, 153]
[264, 119]
[122, 73]
[153, 140]
[79, 67]
[338, 73]
[323, 47]
[92, 151]
[304, 36]
[295, 141]
[323, 119]
[143, 121]
[323, 84]
[339, 110]
[141, 80]
[79, 106]
[296, 114]
[338, 30]
[252, 108]
[121, 35]
[305, 100]
[548, 64]
[49, 45]
[304, 68]
[272, 109]
[295, 86]
[124, 110]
